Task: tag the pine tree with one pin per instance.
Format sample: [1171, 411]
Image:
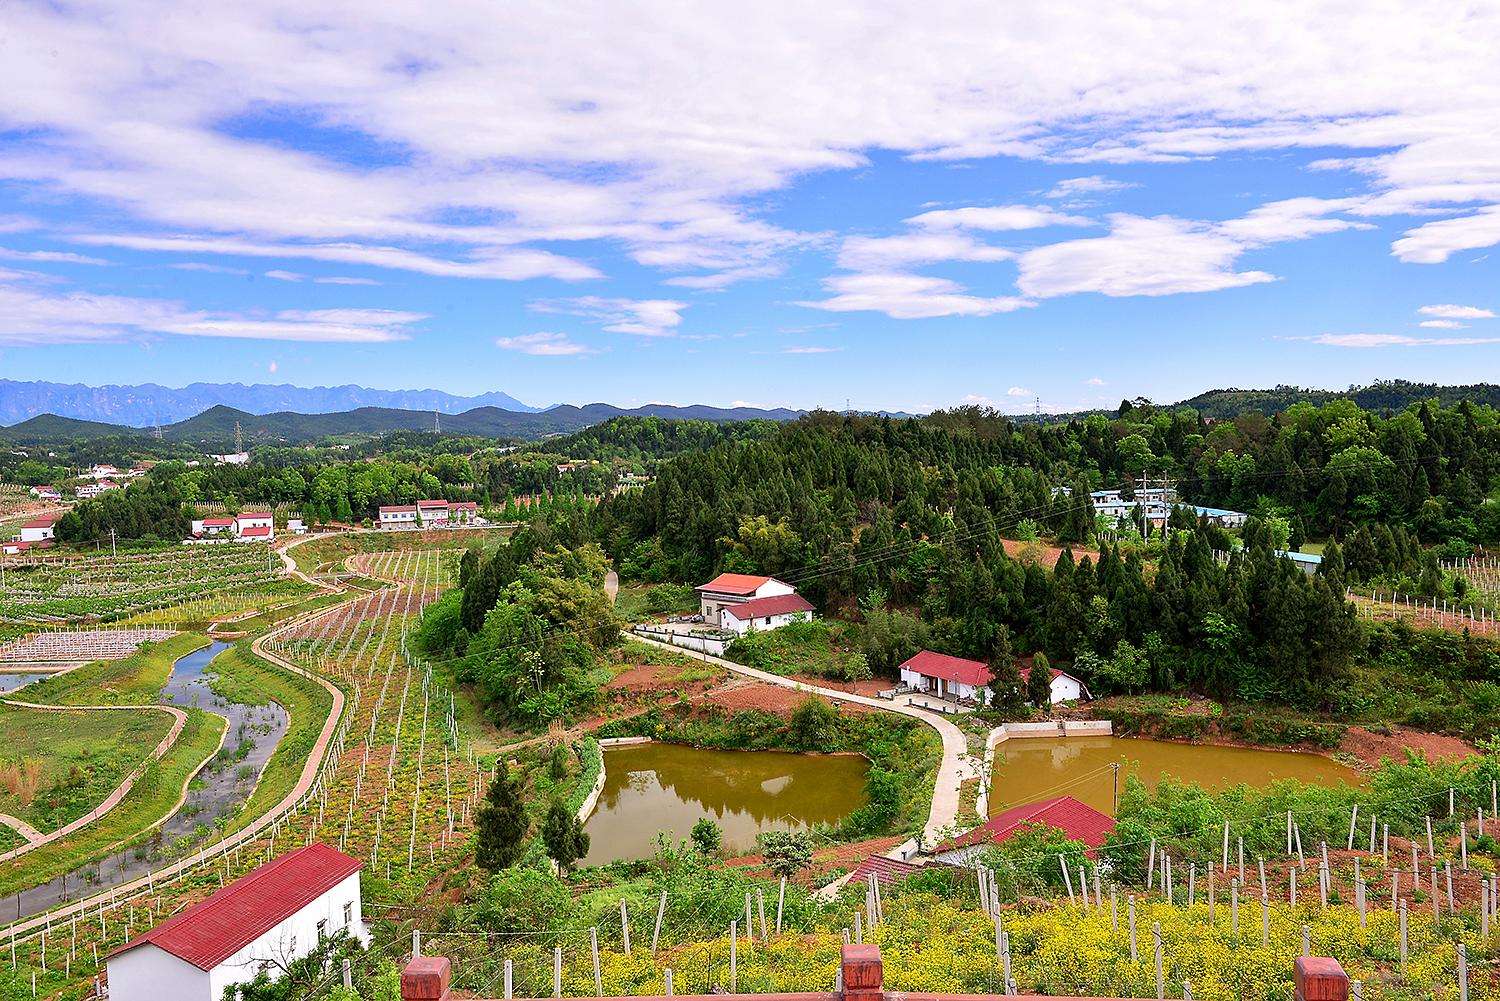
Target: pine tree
[1039, 681]
[501, 824]
[564, 836]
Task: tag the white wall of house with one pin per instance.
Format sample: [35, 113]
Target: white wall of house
[148, 973]
[711, 603]
[760, 624]
[36, 534]
[939, 686]
[1066, 689]
[395, 519]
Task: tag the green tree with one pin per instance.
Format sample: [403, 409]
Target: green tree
[707, 836]
[786, 852]
[564, 836]
[811, 727]
[1039, 681]
[501, 824]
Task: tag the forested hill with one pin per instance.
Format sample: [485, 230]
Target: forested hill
[1382, 396]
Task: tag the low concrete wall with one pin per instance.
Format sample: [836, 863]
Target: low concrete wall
[592, 799]
[1051, 728]
[688, 641]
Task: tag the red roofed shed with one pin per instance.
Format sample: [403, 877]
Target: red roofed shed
[1078, 821]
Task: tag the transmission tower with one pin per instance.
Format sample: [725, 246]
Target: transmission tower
[437, 425]
[239, 437]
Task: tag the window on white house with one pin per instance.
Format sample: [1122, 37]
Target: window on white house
[348, 914]
[322, 930]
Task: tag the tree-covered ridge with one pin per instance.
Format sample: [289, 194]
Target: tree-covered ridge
[1384, 395]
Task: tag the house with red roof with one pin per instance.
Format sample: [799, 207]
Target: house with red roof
[736, 589]
[956, 679]
[38, 529]
[398, 516]
[254, 526]
[1077, 821]
[761, 614]
[263, 921]
[433, 513]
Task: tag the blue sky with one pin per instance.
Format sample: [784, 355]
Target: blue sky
[808, 206]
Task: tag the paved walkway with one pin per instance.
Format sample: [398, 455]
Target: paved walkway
[956, 764]
[179, 720]
[22, 828]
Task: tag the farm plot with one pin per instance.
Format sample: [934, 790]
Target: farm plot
[110, 588]
[77, 646]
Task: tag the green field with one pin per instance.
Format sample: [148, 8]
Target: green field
[149, 800]
[135, 680]
[57, 766]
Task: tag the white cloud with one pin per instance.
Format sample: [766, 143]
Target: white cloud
[211, 269]
[1093, 184]
[48, 256]
[643, 317]
[543, 344]
[887, 253]
[339, 280]
[997, 218]
[809, 350]
[32, 315]
[285, 276]
[908, 297]
[1018, 391]
[1449, 311]
[1095, 381]
[1443, 324]
[271, 366]
[1160, 256]
[1394, 340]
[512, 265]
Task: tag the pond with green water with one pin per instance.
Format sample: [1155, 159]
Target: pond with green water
[649, 788]
[1027, 769]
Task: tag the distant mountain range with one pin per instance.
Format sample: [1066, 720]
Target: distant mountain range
[150, 405]
[214, 428]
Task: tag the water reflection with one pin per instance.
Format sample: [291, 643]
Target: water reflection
[667, 787]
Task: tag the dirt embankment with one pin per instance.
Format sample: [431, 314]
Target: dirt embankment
[1370, 747]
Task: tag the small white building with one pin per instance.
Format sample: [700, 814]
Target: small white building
[432, 513]
[398, 516]
[959, 680]
[278, 913]
[45, 494]
[233, 458]
[103, 472]
[296, 526]
[38, 529]
[204, 527]
[464, 513]
[258, 526]
[734, 589]
[91, 490]
[762, 614]
[941, 676]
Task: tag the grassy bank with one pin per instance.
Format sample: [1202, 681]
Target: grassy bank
[239, 675]
[133, 681]
[148, 802]
[57, 766]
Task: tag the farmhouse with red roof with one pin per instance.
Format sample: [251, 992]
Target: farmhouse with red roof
[1078, 821]
[955, 679]
[261, 922]
[38, 529]
[736, 589]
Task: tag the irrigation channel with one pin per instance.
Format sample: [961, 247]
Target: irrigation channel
[14, 681]
[1031, 768]
[218, 790]
[649, 788]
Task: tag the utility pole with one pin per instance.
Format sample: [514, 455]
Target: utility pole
[1114, 767]
[112, 551]
[239, 437]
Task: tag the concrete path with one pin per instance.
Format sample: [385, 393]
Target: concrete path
[956, 764]
[179, 720]
[22, 828]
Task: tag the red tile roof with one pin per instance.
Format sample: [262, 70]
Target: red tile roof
[256, 532]
[211, 931]
[255, 514]
[886, 870]
[217, 522]
[734, 583]
[46, 522]
[432, 503]
[779, 604]
[397, 508]
[940, 665]
[1078, 821]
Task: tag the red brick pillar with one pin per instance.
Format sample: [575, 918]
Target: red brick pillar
[863, 974]
[1320, 979]
[426, 979]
